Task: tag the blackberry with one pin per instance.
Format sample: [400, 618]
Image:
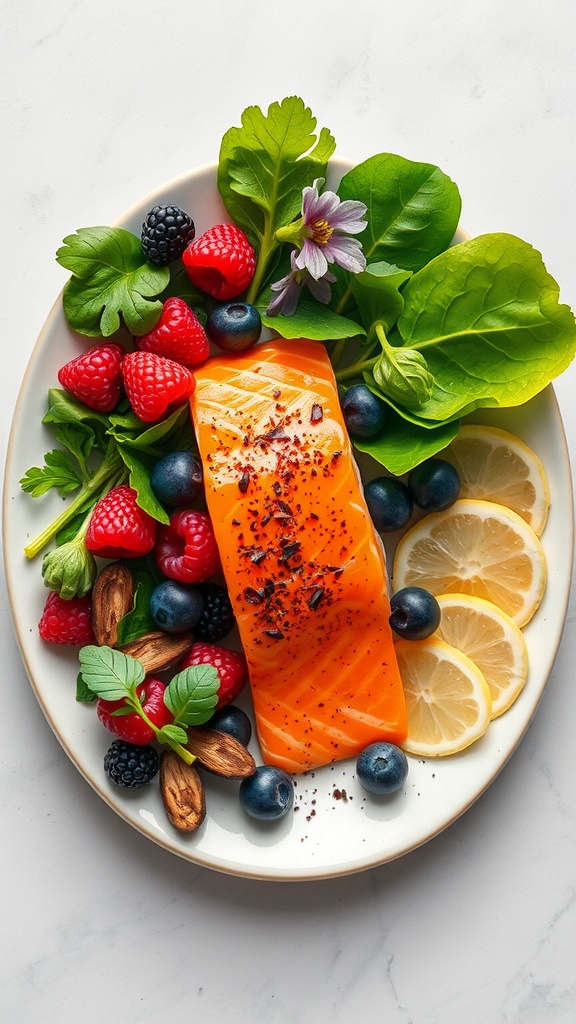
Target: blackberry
[166, 232]
[129, 765]
[217, 619]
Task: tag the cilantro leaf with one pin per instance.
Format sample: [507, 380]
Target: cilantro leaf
[191, 695]
[112, 282]
[110, 674]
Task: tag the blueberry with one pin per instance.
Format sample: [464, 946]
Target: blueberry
[415, 613]
[176, 607]
[268, 794]
[434, 484]
[234, 326]
[234, 722]
[177, 479]
[382, 768]
[364, 414]
[389, 503]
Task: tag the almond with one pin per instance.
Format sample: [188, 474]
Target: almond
[221, 753]
[182, 792]
[158, 651]
[112, 599]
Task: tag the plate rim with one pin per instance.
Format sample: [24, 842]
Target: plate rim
[194, 855]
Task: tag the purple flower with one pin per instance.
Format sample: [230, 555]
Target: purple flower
[288, 289]
[322, 231]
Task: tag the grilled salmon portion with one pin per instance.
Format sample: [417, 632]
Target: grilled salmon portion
[305, 569]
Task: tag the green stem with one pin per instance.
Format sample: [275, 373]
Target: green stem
[338, 352]
[110, 473]
[356, 369]
[186, 755]
[266, 249]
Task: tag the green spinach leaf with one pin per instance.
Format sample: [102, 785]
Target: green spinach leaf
[311, 320]
[486, 315]
[413, 209]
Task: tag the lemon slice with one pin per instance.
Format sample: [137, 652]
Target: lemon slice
[491, 639]
[479, 548]
[448, 701]
[497, 466]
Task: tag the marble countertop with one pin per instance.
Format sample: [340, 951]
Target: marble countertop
[101, 104]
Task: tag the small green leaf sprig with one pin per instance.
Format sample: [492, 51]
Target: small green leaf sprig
[191, 695]
[98, 451]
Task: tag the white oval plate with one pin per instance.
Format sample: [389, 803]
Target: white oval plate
[336, 828]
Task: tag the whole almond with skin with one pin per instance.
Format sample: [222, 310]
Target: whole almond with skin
[220, 753]
[158, 651]
[112, 599]
[182, 792]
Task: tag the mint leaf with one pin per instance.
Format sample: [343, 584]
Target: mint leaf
[486, 316]
[263, 167]
[110, 674]
[413, 209]
[191, 695]
[112, 282]
[171, 734]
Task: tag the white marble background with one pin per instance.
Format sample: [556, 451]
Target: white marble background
[100, 104]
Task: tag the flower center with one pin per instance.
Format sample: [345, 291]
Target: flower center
[321, 231]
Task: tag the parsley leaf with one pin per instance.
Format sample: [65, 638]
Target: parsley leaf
[112, 282]
[263, 167]
[59, 471]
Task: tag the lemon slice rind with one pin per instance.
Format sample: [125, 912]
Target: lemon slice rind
[491, 639]
[448, 701]
[495, 465]
[475, 547]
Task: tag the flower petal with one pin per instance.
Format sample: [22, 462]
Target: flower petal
[348, 217]
[287, 300]
[346, 252]
[321, 289]
[312, 259]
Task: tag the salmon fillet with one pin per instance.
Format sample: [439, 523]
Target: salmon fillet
[304, 567]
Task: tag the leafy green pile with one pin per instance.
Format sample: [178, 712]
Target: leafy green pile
[97, 451]
[434, 329]
[191, 695]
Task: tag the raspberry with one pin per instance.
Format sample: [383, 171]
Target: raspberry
[95, 377]
[118, 527]
[221, 262]
[217, 619]
[186, 550]
[131, 727]
[129, 765]
[166, 232]
[67, 622]
[230, 665]
[178, 335]
[155, 385]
